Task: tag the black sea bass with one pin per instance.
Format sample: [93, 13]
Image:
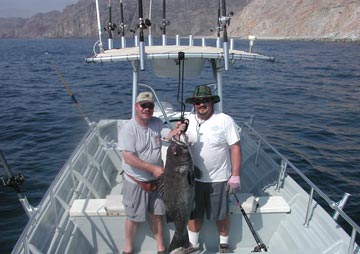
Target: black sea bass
[178, 190]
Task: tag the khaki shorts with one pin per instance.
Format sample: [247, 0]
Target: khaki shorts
[211, 199]
[138, 203]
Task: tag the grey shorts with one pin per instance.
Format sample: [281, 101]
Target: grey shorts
[211, 199]
[138, 203]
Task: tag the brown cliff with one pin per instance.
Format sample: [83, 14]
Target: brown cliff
[275, 19]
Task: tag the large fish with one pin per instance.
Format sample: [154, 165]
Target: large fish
[178, 190]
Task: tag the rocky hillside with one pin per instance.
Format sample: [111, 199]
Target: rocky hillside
[270, 19]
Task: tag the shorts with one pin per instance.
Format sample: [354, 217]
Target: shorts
[138, 203]
[211, 199]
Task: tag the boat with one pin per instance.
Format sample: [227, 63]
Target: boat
[82, 210]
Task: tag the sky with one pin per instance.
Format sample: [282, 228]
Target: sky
[27, 8]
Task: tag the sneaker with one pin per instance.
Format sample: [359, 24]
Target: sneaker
[192, 249]
[224, 248]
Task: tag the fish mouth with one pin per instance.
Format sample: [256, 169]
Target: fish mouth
[178, 141]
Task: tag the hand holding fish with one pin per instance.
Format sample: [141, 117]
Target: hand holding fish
[181, 127]
[157, 171]
[234, 184]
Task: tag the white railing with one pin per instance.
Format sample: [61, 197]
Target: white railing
[336, 206]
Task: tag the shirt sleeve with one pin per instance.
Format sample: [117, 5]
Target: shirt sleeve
[126, 138]
[232, 133]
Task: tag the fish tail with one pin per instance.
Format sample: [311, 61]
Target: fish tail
[179, 240]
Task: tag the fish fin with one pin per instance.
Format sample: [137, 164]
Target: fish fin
[191, 178]
[197, 172]
[179, 241]
[169, 217]
[160, 183]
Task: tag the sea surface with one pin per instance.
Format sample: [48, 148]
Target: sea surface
[307, 104]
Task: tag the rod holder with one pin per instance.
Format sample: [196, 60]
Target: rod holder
[251, 38]
[341, 204]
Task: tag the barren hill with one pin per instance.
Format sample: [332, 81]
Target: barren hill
[270, 19]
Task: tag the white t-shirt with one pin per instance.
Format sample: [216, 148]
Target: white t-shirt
[210, 145]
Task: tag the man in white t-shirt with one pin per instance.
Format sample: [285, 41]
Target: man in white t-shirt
[215, 145]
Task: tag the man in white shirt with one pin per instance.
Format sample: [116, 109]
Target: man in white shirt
[215, 145]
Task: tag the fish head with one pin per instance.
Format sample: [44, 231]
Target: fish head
[179, 153]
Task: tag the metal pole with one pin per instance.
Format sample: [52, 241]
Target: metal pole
[99, 26]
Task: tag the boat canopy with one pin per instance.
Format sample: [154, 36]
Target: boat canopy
[171, 52]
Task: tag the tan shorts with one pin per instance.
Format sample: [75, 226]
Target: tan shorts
[138, 203]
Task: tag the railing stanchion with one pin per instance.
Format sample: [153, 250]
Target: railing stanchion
[352, 241]
[307, 218]
[258, 153]
[283, 168]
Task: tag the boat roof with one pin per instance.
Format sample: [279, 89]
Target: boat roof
[171, 52]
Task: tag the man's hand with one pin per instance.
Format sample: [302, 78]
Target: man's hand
[157, 171]
[181, 127]
[234, 184]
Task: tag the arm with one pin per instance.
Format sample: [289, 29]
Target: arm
[234, 181]
[134, 161]
[235, 152]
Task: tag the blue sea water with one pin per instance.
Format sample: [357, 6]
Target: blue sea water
[306, 104]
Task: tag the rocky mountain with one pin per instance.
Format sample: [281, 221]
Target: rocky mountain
[269, 19]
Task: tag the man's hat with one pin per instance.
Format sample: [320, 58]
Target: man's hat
[145, 96]
[201, 92]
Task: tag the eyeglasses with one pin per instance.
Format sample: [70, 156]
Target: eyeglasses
[203, 101]
[147, 105]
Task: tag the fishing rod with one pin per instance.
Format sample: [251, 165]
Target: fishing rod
[224, 20]
[15, 181]
[110, 28]
[141, 36]
[219, 28]
[164, 24]
[72, 95]
[261, 247]
[122, 25]
[150, 40]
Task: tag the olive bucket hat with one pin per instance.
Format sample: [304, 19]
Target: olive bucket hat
[201, 92]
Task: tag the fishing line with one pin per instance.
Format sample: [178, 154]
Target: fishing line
[72, 95]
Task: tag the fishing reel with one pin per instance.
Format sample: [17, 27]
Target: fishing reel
[111, 27]
[225, 20]
[121, 28]
[217, 29]
[164, 24]
[143, 24]
[13, 181]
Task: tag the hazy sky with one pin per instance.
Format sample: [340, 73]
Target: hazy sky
[30, 7]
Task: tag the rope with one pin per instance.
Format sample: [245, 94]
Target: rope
[180, 94]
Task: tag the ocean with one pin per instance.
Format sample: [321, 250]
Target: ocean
[306, 104]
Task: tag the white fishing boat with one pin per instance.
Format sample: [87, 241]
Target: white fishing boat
[82, 211]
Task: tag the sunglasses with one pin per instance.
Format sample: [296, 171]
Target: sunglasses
[203, 101]
[147, 105]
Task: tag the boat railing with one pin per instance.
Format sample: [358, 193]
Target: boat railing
[54, 206]
[285, 163]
